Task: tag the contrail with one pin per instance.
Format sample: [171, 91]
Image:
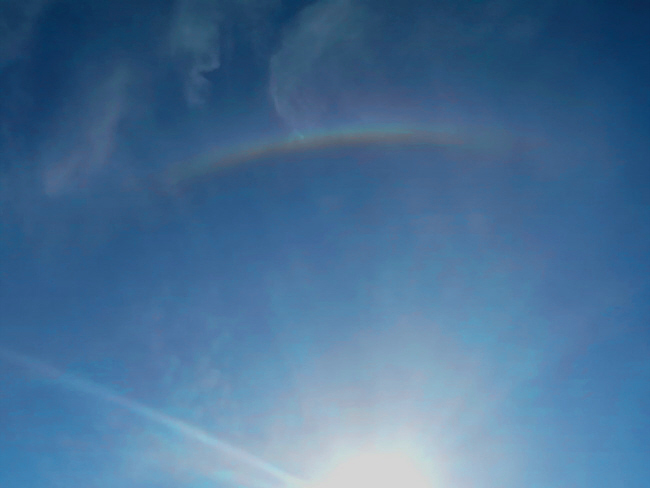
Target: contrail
[76, 383]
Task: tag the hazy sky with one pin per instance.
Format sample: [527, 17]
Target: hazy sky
[481, 303]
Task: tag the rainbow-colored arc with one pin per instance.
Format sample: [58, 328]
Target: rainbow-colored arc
[179, 175]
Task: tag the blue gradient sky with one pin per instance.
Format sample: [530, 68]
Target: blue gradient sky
[484, 305]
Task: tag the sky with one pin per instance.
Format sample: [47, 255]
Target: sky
[244, 242]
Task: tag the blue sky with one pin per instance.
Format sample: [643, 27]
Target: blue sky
[482, 305]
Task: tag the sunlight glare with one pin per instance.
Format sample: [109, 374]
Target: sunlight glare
[385, 469]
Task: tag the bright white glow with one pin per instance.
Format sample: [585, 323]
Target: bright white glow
[384, 469]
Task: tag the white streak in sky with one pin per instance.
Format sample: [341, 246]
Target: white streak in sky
[88, 137]
[75, 383]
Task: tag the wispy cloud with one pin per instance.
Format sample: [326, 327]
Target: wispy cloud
[203, 31]
[306, 71]
[195, 42]
[86, 140]
[340, 54]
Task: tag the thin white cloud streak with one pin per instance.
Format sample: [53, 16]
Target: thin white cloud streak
[85, 144]
[77, 384]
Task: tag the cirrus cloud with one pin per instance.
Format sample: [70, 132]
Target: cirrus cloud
[195, 41]
[87, 140]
